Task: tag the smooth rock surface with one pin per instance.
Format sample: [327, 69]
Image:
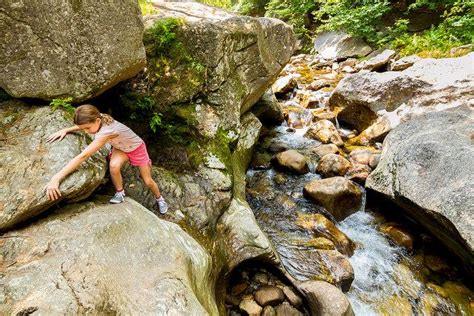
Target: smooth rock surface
[72, 49]
[341, 197]
[427, 167]
[325, 299]
[292, 161]
[429, 85]
[332, 165]
[27, 161]
[334, 45]
[96, 257]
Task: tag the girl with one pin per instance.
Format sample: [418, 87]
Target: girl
[126, 146]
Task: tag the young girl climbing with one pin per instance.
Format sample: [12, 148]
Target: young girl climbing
[126, 146]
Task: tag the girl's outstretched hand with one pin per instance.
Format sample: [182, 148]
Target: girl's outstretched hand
[55, 136]
[52, 189]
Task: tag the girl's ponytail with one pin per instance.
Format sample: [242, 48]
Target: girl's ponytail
[106, 119]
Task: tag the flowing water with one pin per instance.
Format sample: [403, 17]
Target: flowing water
[388, 279]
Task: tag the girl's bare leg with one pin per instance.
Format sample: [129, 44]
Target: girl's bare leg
[145, 173]
[117, 160]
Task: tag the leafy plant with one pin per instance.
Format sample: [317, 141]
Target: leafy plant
[155, 121]
[64, 103]
[146, 7]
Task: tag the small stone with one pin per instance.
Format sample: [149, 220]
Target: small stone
[333, 165]
[374, 161]
[249, 306]
[325, 149]
[292, 161]
[358, 173]
[285, 309]
[261, 278]
[325, 299]
[279, 179]
[269, 311]
[399, 236]
[325, 132]
[239, 289]
[269, 295]
[348, 69]
[294, 299]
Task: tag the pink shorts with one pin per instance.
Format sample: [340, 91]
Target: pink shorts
[137, 157]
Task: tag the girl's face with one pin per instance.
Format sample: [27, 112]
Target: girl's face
[91, 128]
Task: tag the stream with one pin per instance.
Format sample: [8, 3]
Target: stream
[379, 275]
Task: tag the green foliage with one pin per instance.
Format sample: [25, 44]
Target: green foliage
[362, 18]
[155, 121]
[64, 104]
[146, 7]
[226, 4]
[368, 19]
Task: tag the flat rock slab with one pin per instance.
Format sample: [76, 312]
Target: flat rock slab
[72, 49]
[332, 45]
[427, 167]
[27, 162]
[98, 258]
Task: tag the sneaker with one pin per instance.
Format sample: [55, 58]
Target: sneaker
[161, 205]
[119, 197]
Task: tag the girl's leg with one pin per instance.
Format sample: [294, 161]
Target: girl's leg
[117, 160]
[145, 173]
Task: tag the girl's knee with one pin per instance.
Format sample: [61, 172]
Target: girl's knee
[149, 182]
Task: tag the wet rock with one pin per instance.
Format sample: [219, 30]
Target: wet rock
[358, 173]
[399, 236]
[335, 45]
[28, 162]
[374, 133]
[269, 295]
[333, 165]
[318, 84]
[279, 179]
[292, 161]
[292, 297]
[276, 147]
[239, 288]
[429, 85]
[322, 227]
[326, 299]
[323, 114]
[284, 84]
[425, 165]
[261, 161]
[460, 295]
[269, 311]
[396, 305]
[249, 306]
[407, 280]
[432, 303]
[437, 264]
[325, 149]
[325, 132]
[285, 309]
[404, 63]
[85, 255]
[321, 243]
[101, 42]
[341, 197]
[377, 61]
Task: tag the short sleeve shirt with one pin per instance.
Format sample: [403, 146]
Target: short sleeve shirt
[126, 139]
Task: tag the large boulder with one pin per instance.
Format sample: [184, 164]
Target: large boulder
[241, 57]
[27, 161]
[427, 167]
[395, 96]
[72, 49]
[100, 258]
[335, 45]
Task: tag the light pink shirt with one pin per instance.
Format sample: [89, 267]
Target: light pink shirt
[126, 139]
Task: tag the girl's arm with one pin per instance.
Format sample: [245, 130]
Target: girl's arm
[60, 134]
[52, 188]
